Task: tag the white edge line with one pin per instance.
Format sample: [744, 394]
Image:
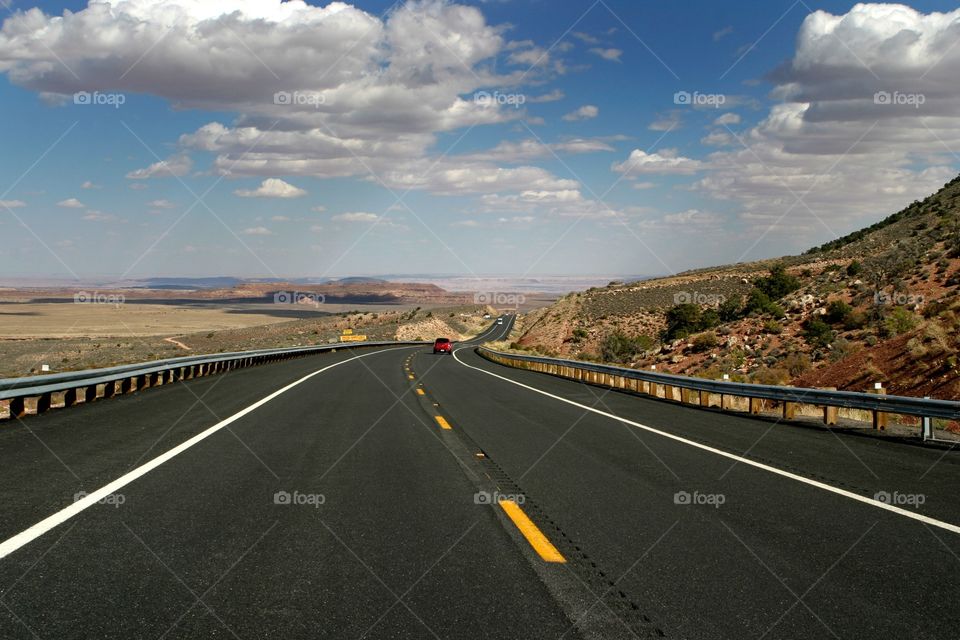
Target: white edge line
[759, 465]
[25, 537]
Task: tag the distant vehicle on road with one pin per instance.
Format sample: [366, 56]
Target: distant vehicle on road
[442, 345]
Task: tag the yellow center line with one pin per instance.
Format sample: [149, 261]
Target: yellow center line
[420, 392]
[531, 532]
[410, 376]
[442, 422]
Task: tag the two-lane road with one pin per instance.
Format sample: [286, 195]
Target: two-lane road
[354, 503]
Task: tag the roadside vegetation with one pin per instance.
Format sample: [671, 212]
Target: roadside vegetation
[880, 304]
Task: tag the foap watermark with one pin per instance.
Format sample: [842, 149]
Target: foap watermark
[299, 499]
[83, 297]
[900, 499]
[697, 99]
[299, 99]
[715, 500]
[487, 99]
[114, 499]
[299, 297]
[498, 298]
[898, 99]
[897, 298]
[495, 497]
[696, 297]
[97, 99]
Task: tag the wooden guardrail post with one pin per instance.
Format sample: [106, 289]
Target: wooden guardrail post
[17, 407]
[69, 397]
[830, 414]
[789, 410]
[755, 405]
[879, 417]
[44, 400]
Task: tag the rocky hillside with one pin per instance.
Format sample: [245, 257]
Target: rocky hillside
[878, 305]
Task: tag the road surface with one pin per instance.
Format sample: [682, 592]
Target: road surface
[357, 495]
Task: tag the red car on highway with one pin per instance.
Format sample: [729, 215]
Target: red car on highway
[443, 345]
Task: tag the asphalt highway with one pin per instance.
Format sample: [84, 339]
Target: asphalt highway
[394, 493]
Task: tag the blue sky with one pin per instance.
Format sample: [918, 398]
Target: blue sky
[404, 168]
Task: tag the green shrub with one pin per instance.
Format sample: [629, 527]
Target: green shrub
[817, 332]
[705, 342]
[682, 320]
[772, 326]
[838, 311]
[730, 309]
[760, 303]
[841, 348]
[779, 283]
[618, 347]
[854, 268]
[580, 333]
[796, 364]
[899, 321]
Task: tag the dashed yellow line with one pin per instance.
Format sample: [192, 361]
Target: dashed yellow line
[420, 392]
[531, 532]
[410, 376]
[442, 422]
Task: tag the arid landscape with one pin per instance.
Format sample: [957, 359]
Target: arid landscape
[880, 305]
[71, 328]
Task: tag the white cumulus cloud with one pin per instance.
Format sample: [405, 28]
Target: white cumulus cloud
[272, 188]
[586, 112]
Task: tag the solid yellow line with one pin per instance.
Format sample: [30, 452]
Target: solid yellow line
[442, 422]
[534, 536]
[410, 376]
[420, 392]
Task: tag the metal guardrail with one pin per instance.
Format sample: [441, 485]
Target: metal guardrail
[93, 384]
[640, 381]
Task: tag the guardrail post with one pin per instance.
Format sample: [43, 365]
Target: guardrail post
[69, 398]
[830, 414]
[755, 405]
[43, 402]
[879, 417]
[789, 410]
[703, 398]
[127, 385]
[17, 407]
[90, 393]
[926, 425]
